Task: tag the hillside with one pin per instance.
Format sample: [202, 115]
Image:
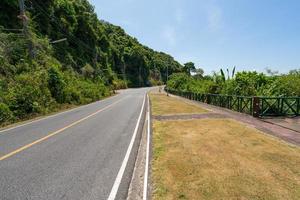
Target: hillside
[38, 76]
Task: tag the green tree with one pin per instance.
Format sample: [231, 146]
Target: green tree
[189, 67]
[199, 73]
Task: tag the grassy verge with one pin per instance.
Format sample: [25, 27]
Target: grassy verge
[58, 109]
[221, 159]
[165, 105]
[37, 116]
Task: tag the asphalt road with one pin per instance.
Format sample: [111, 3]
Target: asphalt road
[72, 155]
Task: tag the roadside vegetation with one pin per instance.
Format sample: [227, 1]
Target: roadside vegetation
[29, 87]
[38, 76]
[245, 83]
[220, 159]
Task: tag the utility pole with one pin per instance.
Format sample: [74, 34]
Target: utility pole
[124, 66]
[167, 73]
[25, 20]
[140, 77]
[124, 72]
[23, 16]
[167, 80]
[95, 59]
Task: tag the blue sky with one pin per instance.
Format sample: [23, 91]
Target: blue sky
[249, 34]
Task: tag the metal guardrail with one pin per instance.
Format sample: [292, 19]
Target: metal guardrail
[255, 106]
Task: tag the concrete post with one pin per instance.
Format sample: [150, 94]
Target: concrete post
[255, 106]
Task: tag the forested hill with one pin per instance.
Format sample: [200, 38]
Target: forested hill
[107, 48]
[36, 74]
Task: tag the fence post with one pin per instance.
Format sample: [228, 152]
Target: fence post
[255, 106]
[229, 102]
[208, 101]
[298, 106]
[281, 106]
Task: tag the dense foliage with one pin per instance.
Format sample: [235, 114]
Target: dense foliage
[244, 83]
[39, 76]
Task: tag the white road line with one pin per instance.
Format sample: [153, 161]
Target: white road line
[51, 116]
[118, 180]
[145, 192]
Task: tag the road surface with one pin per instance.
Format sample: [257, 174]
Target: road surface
[73, 155]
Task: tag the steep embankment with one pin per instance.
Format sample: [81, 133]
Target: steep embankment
[37, 76]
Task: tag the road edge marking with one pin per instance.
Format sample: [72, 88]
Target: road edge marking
[116, 185]
[56, 132]
[145, 191]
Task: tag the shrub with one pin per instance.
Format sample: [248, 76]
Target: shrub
[88, 71]
[72, 95]
[5, 113]
[119, 84]
[179, 81]
[155, 82]
[56, 84]
[28, 94]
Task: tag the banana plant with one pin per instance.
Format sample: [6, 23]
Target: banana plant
[228, 74]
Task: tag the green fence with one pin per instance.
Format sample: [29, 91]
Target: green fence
[256, 106]
[279, 106]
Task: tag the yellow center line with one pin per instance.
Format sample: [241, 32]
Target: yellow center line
[56, 132]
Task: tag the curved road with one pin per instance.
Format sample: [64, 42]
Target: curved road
[76, 154]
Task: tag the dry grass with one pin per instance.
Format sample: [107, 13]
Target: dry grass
[166, 105]
[221, 159]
